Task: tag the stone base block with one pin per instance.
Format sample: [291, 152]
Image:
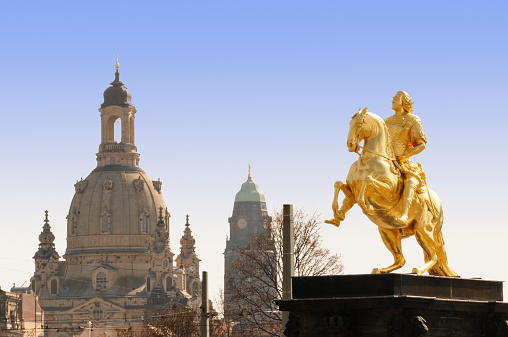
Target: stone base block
[395, 305]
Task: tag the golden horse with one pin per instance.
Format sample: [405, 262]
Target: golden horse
[375, 183]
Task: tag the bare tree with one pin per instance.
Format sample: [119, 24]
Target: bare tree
[257, 280]
[176, 321]
[222, 325]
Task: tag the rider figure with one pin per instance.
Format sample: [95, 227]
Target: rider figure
[408, 139]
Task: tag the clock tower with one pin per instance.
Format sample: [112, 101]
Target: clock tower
[250, 218]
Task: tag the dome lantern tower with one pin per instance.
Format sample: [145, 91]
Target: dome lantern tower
[117, 108]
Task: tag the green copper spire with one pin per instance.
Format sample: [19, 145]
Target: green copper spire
[250, 191]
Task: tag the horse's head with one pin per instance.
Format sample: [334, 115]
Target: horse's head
[358, 130]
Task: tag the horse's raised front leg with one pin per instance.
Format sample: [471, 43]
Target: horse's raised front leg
[392, 240]
[367, 209]
[348, 202]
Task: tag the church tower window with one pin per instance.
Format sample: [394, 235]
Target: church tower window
[54, 287]
[169, 283]
[195, 289]
[101, 281]
[148, 288]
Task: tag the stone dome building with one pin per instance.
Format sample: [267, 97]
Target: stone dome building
[118, 267]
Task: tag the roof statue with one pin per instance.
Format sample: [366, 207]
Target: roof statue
[391, 189]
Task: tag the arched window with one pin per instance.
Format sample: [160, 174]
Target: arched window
[148, 284]
[118, 131]
[144, 223]
[169, 283]
[74, 224]
[114, 125]
[105, 220]
[54, 287]
[101, 281]
[131, 130]
[195, 289]
[97, 313]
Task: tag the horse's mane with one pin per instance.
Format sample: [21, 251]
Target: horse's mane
[389, 148]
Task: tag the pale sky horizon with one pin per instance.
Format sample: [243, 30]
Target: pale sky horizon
[221, 84]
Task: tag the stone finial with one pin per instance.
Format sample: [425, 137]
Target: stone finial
[160, 238]
[161, 223]
[187, 241]
[46, 237]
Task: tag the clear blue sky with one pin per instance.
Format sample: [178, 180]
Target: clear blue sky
[221, 84]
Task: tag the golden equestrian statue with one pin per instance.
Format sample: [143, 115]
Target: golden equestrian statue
[392, 190]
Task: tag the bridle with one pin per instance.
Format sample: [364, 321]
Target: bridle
[365, 150]
[374, 153]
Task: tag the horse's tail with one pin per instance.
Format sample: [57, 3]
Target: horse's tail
[441, 266]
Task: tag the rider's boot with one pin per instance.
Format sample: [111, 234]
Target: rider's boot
[409, 193]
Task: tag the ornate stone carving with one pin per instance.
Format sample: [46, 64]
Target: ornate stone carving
[495, 326]
[107, 184]
[80, 185]
[157, 184]
[139, 184]
[409, 325]
[337, 326]
[160, 236]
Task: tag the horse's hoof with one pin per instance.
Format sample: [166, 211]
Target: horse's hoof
[335, 222]
[376, 271]
[416, 271]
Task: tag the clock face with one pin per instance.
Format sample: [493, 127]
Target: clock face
[191, 268]
[241, 223]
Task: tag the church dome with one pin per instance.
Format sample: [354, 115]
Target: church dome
[115, 209]
[117, 94]
[250, 192]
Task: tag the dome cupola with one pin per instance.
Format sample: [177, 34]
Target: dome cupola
[117, 94]
[250, 191]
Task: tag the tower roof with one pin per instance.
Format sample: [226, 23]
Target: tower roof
[187, 241]
[46, 245]
[117, 94]
[250, 192]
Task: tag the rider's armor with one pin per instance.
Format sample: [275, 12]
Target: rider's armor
[404, 131]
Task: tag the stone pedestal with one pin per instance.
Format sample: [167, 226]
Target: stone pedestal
[395, 305]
